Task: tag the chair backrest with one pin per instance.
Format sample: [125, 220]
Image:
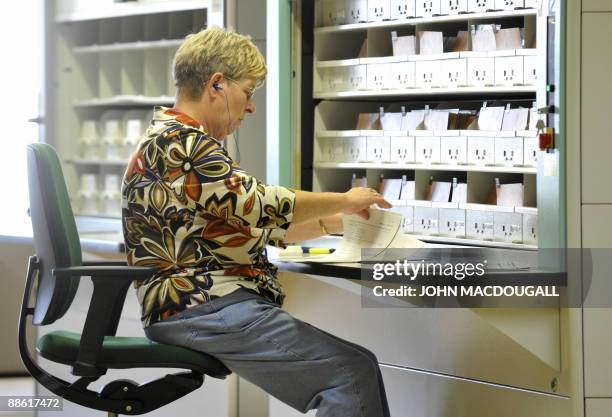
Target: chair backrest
[56, 239]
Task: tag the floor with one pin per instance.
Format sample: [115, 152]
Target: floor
[14, 387]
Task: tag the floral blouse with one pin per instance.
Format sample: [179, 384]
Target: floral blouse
[191, 212]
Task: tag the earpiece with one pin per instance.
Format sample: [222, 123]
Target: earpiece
[217, 87]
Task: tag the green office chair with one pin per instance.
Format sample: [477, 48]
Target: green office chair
[58, 268]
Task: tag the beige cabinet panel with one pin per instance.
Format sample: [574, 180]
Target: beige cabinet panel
[596, 93]
[597, 233]
[599, 407]
[450, 341]
[596, 6]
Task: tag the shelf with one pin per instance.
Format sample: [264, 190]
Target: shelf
[472, 242]
[128, 46]
[96, 162]
[126, 101]
[422, 167]
[423, 20]
[455, 91]
[136, 8]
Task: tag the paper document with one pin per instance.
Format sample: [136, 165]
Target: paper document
[381, 230]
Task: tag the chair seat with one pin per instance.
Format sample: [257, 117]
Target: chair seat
[120, 352]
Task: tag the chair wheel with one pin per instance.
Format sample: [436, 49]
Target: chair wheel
[119, 389]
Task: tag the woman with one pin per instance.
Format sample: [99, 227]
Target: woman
[202, 222]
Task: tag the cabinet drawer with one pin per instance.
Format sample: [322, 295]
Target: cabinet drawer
[428, 8]
[452, 73]
[508, 226]
[333, 12]
[480, 71]
[509, 70]
[480, 6]
[481, 150]
[509, 4]
[426, 221]
[379, 10]
[402, 9]
[479, 224]
[355, 149]
[452, 222]
[402, 149]
[452, 7]
[426, 72]
[356, 11]
[508, 151]
[403, 74]
[378, 149]
[453, 150]
[427, 149]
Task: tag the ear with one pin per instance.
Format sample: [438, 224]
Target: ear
[214, 79]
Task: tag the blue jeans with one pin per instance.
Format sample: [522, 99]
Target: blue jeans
[291, 360]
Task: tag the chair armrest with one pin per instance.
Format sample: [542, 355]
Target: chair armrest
[131, 273]
[110, 285]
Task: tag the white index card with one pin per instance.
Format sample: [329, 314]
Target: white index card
[508, 39]
[430, 42]
[491, 118]
[510, 195]
[483, 40]
[390, 189]
[459, 193]
[515, 119]
[408, 191]
[413, 119]
[440, 191]
[436, 120]
[391, 121]
[404, 46]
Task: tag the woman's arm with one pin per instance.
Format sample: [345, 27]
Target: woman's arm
[310, 229]
[314, 206]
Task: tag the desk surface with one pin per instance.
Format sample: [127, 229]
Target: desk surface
[104, 235]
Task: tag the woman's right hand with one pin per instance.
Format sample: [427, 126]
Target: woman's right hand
[359, 199]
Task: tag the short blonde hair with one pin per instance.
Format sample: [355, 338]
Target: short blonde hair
[212, 50]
